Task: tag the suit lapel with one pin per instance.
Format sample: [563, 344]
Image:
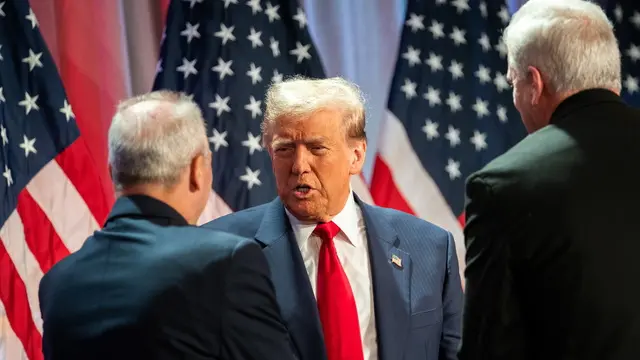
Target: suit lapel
[291, 283]
[391, 273]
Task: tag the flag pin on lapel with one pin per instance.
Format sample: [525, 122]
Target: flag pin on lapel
[396, 260]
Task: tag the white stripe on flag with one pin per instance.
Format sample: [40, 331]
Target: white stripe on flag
[10, 346]
[12, 235]
[70, 216]
[215, 208]
[414, 183]
[361, 189]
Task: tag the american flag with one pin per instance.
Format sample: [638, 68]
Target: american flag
[450, 109]
[51, 200]
[625, 15]
[225, 53]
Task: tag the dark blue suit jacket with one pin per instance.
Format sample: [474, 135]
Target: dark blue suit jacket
[150, 286]
[418, 304]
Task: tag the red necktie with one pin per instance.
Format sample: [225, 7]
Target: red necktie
[336, 304]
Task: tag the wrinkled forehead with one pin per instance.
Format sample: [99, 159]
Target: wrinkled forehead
[320, 126]
[319, 122]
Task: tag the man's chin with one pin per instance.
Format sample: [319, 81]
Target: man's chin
[303, 210]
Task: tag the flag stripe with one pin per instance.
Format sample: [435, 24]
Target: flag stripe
[91, 68]
[10, 345]
[58, 197]
[13, 239]
[384, 190]
[40, 236]
[360, 187]
[412, 181]
[81, 171]
[215, 208]
[13, 294]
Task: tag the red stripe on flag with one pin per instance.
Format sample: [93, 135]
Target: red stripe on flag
[164, 9]
[81, 170]
[13, 295]
[43, 241]
[461, 219]
[384, 191]
[91, 64]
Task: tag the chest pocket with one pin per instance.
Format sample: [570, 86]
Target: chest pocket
[426, 318]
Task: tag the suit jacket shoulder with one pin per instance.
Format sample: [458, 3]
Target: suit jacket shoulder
[244, 222]
[543, 157]
[409, 227]
[588, 133]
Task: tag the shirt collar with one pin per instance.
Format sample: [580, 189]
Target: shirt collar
[348, 220]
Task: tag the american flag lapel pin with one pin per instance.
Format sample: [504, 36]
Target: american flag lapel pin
[396, 260]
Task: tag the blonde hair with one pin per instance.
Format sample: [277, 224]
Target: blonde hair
[570, 41]
[301, 97]
[153, 137]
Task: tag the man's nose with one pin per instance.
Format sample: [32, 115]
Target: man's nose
[300, 161]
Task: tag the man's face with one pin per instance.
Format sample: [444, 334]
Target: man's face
[313, 163]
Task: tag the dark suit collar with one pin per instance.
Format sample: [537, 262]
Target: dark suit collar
[391, 279]
[145, 206]
[291, 282]
[582, 99]
[274, 224]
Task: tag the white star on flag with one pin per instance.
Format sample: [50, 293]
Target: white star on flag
[29, 103]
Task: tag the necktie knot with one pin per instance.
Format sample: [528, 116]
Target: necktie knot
[327, 231]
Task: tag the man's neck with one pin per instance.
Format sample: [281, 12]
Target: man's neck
[162, 193]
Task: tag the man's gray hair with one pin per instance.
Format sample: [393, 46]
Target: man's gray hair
[571, 42]
[300, 97]
[154, 137]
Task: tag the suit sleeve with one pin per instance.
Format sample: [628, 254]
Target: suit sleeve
[452, 305]
[492, 318]
[252, 327]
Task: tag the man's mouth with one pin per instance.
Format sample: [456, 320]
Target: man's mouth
[302, 188]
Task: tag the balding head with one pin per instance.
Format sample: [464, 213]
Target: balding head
[154, 140]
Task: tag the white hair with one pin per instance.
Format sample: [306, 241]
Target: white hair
[571, 42]
[153, 138]
[301, 97]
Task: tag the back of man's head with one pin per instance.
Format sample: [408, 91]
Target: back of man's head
[571, 42]
[158, 147]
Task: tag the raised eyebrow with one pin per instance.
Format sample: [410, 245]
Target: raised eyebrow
[277, 143]
[315, 141]
[309, 141]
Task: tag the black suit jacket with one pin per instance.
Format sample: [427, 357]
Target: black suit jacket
[150, 286]
[552, 240]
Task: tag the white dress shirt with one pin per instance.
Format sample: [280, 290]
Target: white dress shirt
[352, 248]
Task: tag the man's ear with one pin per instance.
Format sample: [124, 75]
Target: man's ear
[196, 172]
[537, 84]
[358, 153]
